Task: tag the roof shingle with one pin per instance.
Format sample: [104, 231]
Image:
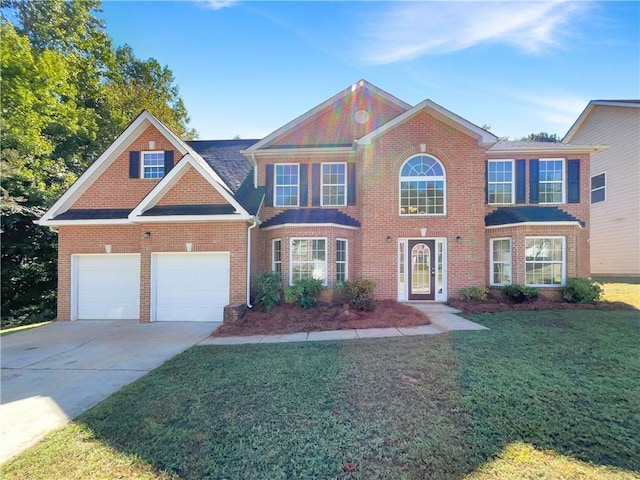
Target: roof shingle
[511, 215]
[311, 215]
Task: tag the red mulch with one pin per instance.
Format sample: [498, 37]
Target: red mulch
[292, 319]
[498, 305]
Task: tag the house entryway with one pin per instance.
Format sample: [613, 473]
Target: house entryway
[422, 269]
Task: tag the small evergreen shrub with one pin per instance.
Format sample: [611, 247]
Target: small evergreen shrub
[520, 293]
[474, 293]
[359, 294]
[303, 292]
[269, 290]
[582, 290]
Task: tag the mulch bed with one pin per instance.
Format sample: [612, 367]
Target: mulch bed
[497, 305]
[292, 319]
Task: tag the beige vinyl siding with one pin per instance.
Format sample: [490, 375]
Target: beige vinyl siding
[615, 223]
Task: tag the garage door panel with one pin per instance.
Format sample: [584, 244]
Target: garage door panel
[190, 286]
[107, 287]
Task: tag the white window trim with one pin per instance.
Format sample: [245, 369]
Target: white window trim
[563, 270]
[563, 183]
[142, 166]
[409, 179]
[346, 257]
[492, 263]
[513, 180]
[326, 252]
[322, 185]
[275, 185]
[273, 255]
[604, 187]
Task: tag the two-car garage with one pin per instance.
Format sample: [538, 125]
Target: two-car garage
[185, 286]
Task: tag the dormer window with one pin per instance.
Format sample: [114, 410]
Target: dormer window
[152, 165]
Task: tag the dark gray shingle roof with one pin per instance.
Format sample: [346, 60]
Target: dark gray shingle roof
[94, 214]
[510, 215]
[311, 215]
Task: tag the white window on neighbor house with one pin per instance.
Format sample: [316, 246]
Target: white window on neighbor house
[286, 185]
[276, 256]
[598, 188]
[308, 259]
[334, 184]
[551, 180]
[152, 164]
[500, 181]
[500, 261]
[422, 186]
[545, 261]
[342, 272]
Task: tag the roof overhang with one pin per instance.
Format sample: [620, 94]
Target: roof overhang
[300, 151]
[552, 149]
[535, 224]
[297, 225]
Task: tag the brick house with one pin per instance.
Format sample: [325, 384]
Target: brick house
[364, 185]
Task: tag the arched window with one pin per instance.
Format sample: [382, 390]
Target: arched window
[422, 186]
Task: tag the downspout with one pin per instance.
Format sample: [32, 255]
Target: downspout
[255, 224]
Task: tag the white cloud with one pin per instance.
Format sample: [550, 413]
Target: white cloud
[403, 31]
[218, 4]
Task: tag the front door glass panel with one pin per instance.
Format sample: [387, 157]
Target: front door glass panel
[421, 269]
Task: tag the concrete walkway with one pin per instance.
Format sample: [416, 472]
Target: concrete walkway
[443, 319]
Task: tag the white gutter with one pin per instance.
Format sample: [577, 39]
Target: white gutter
[255, 224]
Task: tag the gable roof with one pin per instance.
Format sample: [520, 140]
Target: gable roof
[484, 137]
[341, 97]
[224, 157]
[589, 109]
[530, 214]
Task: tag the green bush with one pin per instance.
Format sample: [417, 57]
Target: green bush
[269, 290]
[359, 294]
[582, 290]
[303, 292]
[520, 293]
[474, 293]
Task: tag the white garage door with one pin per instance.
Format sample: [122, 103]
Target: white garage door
[107, 287]
[192, 287]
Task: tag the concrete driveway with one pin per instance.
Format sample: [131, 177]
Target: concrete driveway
[55, 372]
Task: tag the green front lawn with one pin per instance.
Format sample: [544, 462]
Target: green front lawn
[540, 395]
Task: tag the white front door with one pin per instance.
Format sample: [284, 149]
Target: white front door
[192, 287]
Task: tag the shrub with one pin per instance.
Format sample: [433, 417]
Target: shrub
[269, 290]
[520, 293]
[359, 294]
[582, 290]
[303, 292]
[474, 293]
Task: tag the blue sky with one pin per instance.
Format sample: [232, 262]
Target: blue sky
[247, 68]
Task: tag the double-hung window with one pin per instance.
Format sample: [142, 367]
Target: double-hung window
[341, 260]
[308, 258]
[422, 186]
[286, 186]
[334, 184]
[152, 165]
[598, 188]
[276, 256]
[551, 180]
[500, 261]
[545, 261]
[500, 181]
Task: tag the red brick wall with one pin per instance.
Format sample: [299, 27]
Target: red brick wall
[114, 188]
[206, 237]
[192, 189]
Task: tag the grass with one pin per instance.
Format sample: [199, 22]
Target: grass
[625, 290]
[541, 395]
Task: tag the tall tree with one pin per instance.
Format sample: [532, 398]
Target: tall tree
[541, 137]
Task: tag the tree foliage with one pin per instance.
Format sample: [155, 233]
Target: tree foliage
[542, 137]
[66, 94]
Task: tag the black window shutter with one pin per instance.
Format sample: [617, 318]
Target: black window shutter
[486, 181]
[315, 184]
[573, 181]
[304, 184]
[168, 161]
[351, 183]
[533, 180]
[134, 164]
[268, 186]
[521, 181]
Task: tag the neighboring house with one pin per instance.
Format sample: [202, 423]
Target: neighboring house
[364, 185]
[614, 184]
